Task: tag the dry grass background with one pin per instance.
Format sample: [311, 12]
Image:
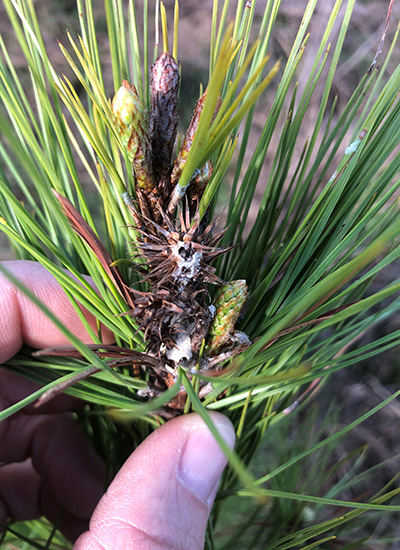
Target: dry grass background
[361, 386]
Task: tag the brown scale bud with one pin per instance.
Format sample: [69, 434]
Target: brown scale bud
[201, 176]
[140, 154]
[163, 120]
[187, 141]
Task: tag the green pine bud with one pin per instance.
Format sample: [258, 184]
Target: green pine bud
[130, 119]
[228, 303]
[127, 109]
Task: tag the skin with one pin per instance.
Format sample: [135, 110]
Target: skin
[162, 496]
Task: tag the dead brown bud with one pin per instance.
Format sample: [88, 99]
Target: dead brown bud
[163, 120]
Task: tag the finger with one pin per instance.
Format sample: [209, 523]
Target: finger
[21, 321]
[23, 496]
[161, 498]
[19, 489]
[60, 454]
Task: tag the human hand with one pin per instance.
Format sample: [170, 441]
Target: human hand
[162, 496]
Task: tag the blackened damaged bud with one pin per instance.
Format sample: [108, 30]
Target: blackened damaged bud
[163, 121]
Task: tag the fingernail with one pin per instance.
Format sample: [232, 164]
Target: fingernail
[203, 461]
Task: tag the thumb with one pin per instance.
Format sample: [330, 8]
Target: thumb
[162, 496]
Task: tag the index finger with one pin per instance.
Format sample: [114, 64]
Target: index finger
[22, 322]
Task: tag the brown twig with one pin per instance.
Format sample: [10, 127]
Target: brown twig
[383, 37]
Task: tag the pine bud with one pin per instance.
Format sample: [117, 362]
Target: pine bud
[130, 119]
[127, 109]
[139, 151]
[187, 141]
[163, 121]
[228, 304]
[202, 176]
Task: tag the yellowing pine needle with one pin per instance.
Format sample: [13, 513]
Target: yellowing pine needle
[213, 92]
[176, 31]
[239, 75]
[95, 90]
[224, 116]
[82, 119]
[164, 26]
[218, 139]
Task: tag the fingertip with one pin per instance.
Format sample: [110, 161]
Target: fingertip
[173, 477]
[202, 461]
[21, 321]
[87, 542]
[10, 321]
